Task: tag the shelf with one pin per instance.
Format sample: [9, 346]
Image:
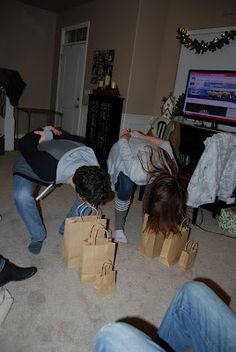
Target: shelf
[103, 124]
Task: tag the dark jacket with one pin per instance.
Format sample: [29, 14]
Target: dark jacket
[52, 161]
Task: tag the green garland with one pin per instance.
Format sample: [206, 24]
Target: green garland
[200, 47]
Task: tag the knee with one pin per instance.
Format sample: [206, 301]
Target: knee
[125, 190]
[113, 330]
[21, 196]
[112, 335]
[196, 290]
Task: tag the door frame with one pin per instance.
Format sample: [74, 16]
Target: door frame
[62, 44]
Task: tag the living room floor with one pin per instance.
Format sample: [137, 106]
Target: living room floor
[54, 311]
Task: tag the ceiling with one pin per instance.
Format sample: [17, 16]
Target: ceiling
[54, 5]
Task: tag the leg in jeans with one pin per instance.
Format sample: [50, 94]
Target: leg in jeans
[122, 337]
[122, 201]
[27, 207]
[198, 318]
[2, 263]
[77, 209]
[125, 187]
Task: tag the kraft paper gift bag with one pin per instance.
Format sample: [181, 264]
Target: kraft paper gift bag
[188, 255]
[151, 242]
[97, 249]
[105, 283]
[173, 245]
[77, 229]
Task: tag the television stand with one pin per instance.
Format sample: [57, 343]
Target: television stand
[192, 137]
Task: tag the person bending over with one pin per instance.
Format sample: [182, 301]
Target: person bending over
[197, 319]
[51, 157]
[139, 159]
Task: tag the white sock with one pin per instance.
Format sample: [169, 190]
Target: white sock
[120, 236]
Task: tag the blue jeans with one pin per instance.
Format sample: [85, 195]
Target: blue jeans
[196, 318]
[125, 187]
[78, 208]
[27, 208]
[2, 263]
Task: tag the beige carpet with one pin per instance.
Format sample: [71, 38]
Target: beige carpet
[54, 312]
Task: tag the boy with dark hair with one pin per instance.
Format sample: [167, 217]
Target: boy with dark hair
[50, 157]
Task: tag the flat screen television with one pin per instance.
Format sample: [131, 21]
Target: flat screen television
[211, 96]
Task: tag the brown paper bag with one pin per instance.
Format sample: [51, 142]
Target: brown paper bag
[77, 229]
[96, 250]
[105, 282]
[151, 242]
[188, 255]
[173, 246]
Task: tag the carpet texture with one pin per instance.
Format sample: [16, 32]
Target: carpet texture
[54, 312]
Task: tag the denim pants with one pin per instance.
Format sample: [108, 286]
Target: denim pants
[196, 318]
[2, 263]
[124, 187]
[29, 212]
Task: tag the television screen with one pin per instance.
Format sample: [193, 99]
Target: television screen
[211, 96]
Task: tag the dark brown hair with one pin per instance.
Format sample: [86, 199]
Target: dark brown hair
[164, 199]
[92, 183]
[159, 162]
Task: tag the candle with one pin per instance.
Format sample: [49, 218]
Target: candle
[113, 84]
[107, 80]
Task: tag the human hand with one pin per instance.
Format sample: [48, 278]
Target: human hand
[54, 130]
[41, 134]
[125, 134]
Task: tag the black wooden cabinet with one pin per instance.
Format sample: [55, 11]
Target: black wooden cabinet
[103, 124]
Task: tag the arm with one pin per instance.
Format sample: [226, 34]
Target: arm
[42, 163]
[47, 133]
[152, 139]
[132, 164]
[155, 140]
[31, 140]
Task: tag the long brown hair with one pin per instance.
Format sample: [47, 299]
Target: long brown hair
[164, 199]
[159, 162]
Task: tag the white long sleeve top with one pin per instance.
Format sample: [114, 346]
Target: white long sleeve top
[125, 157]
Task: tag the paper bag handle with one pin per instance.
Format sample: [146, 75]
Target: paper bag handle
[191, 246]
[85, 206]
[94, 233]
[106, 267]
[184, 223]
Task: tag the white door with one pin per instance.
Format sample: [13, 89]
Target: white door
[71, 85]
